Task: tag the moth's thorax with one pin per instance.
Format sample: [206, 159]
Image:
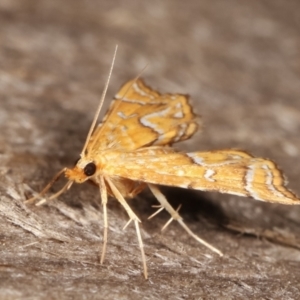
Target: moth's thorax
[104, 166]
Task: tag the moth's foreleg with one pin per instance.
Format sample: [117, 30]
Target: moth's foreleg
[132, 217]
[175, 215]
[103, 193]
[47, 187]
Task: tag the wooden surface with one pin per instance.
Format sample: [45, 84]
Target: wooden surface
[239, 61]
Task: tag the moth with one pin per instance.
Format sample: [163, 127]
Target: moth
[131, 150]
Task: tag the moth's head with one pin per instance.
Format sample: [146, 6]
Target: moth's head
[82, 171]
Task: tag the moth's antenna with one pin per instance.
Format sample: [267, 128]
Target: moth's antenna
[100, 104]
[126, 91]
[121, 98]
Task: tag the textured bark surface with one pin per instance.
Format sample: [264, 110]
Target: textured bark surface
[239, 61]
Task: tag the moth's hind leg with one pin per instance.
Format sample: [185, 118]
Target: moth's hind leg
[175, 216]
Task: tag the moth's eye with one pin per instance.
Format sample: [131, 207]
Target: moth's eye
[77, 160]
[89, 169]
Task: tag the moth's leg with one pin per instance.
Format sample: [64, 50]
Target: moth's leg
[103, 193]
[159, 209]
[132, 217]
[47, 187]
[54, 196]
[175, 215]
[136, 190]
[171, 219]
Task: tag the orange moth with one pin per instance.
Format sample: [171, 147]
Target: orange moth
[131, 150]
